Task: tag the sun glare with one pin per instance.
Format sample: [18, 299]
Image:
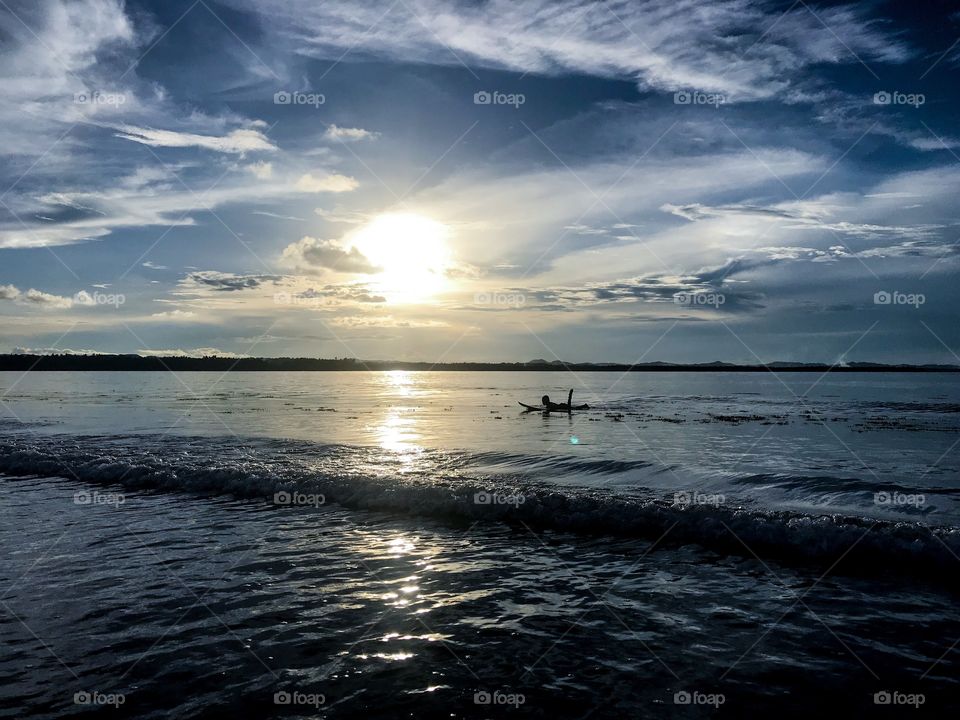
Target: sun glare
[411, 251]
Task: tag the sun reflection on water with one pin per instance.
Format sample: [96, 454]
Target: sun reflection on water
[399, 382]
[397, 430]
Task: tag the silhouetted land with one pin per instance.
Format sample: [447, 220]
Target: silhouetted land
[284, 364]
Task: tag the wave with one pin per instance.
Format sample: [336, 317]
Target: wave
[445, 485]
[831, 483]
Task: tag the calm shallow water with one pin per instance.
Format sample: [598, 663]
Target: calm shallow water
[148, 554]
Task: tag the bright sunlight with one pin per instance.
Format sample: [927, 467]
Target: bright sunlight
[412, 251]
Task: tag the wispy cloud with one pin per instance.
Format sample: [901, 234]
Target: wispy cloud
[237, 141]
[746, 50]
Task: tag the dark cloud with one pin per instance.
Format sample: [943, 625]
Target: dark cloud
[651, 288]
[229, 282]
[314, 253]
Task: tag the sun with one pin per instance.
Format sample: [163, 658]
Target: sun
[412, 253]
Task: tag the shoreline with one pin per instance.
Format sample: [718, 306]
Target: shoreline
[139, 363]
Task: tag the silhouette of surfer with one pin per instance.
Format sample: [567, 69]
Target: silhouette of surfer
[559, 407]
[546, 406]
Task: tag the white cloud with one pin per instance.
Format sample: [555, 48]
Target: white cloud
[195, 353]
[328, 183]
[236, 141]
[745, 50]
[74, 61]
[344, 134]
[262, 170]
[45, 300]
[55, 351]
[50, 62]
[35, 298]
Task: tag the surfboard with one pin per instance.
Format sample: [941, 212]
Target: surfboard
[541, 408]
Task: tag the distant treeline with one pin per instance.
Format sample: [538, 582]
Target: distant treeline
[141, 363]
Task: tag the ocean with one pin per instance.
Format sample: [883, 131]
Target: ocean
[412, 544]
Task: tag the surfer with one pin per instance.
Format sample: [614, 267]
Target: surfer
[546, 406]
[567, 406]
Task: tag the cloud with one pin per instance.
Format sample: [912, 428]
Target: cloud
[697, 211]
[818, 214]
[329, 183]
[150, 265]
[45, 300]
[745, 50]
[52, 58]
[339, 215]
[277, 216]
[581, 229]
[55, 351]
[344, 134]
[262, 170]
[310, 253]
[384, 321]
[909, 248]
[195, 353]
[237, 141]
[355, 292]
[175, 315]
[90, 214]
[229, 282]
[35, 298]
[659, 289]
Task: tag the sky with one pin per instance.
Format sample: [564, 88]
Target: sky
[680, 181]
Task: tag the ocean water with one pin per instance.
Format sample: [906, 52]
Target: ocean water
[413, 545]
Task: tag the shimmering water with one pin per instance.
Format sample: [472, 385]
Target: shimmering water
[411, 544]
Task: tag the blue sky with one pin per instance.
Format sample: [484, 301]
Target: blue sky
[623, 181]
